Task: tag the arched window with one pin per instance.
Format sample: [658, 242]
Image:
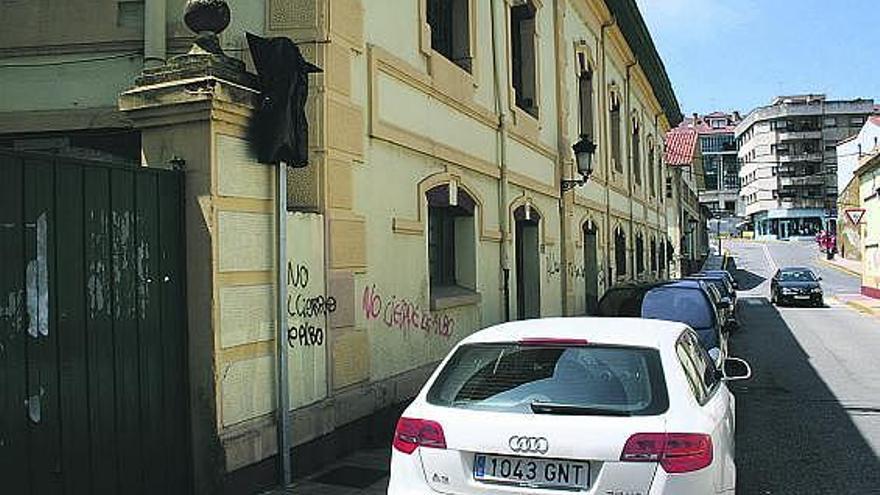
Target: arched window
[637, 152]
[450, 30]
[585, 97]
[451, 238]
[524, 63]
[615, 133]
[652, 169]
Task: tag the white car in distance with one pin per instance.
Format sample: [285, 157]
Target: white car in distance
[614, 406]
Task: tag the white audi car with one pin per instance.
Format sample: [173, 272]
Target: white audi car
[587, 405]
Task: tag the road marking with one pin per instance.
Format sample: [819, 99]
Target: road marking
[770, 262]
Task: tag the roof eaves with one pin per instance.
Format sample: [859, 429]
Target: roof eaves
[635, 31]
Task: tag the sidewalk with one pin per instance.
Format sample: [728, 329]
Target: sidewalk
[363, 473]
[861, 303]
[843, 264]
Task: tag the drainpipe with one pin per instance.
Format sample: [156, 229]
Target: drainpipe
[154, 33]
[283, 419]
[604, 131]
[631, 179]
[502, 164]
[563, 150]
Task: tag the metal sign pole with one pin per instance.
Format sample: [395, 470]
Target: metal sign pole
[284, 468]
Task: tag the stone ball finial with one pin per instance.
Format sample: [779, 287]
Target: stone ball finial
[206, 16]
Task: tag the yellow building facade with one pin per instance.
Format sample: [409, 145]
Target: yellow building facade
[429, 145]
[868, 177]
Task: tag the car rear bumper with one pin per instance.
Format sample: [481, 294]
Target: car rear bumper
[790, 299]
[408, 478]
[699, 482]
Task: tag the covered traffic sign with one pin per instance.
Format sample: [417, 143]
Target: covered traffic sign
[855, 215]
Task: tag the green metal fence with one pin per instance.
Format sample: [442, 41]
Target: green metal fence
[93, 395]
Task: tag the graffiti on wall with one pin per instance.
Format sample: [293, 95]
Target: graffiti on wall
[553, 267]
[403, 314]
[307, 310]
[576, 271]
[552, 264]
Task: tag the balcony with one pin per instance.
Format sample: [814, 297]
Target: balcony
[801, 157]
[801, 202]
[807, 180]
[793, 135]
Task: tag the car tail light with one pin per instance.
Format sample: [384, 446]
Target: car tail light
[553, 342]
[411, 434]
[676, 452]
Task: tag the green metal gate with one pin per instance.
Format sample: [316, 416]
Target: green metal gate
[93, 395]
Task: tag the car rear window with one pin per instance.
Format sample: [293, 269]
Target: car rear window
[720, 285]
[622, 302]
[798, 276]
[687, 306]
[588, 380]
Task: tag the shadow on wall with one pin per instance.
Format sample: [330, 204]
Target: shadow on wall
[793, 435]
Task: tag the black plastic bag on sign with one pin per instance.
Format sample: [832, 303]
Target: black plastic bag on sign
[279, 131]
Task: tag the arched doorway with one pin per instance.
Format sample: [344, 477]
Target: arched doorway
[591, 268]
[640, 255]
[528, 263]
[619, 254]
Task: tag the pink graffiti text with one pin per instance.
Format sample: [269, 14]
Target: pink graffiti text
[403, 314]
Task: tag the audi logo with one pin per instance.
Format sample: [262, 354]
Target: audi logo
[520, 444]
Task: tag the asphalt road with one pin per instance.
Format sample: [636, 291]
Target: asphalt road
[808, 422]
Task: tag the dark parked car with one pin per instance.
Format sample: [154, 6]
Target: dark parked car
[689, 302]
[727, 293]
[796, 285]
[724, 273]
[625, 300]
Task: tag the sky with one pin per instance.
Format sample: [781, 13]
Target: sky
[738, 54]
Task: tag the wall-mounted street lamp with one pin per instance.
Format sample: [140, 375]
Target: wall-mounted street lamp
[583, 155]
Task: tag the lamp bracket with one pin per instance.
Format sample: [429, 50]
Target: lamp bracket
[569, 184]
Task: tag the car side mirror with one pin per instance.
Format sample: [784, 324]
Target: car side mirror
[724, 303]
[715, 354]
[734, 369]
[736, 286]
[819, 278]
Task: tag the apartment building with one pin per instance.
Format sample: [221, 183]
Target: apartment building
[442, 195]
[719, 192]
[789, 162]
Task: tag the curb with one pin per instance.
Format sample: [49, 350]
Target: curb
[838, 267]
[861, 308]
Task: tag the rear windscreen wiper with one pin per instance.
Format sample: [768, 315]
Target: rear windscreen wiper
[573, 410]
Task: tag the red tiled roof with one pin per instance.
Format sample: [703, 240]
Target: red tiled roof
[681, 144]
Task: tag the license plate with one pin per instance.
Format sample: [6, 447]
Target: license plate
[536, 473]
[801, 297]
